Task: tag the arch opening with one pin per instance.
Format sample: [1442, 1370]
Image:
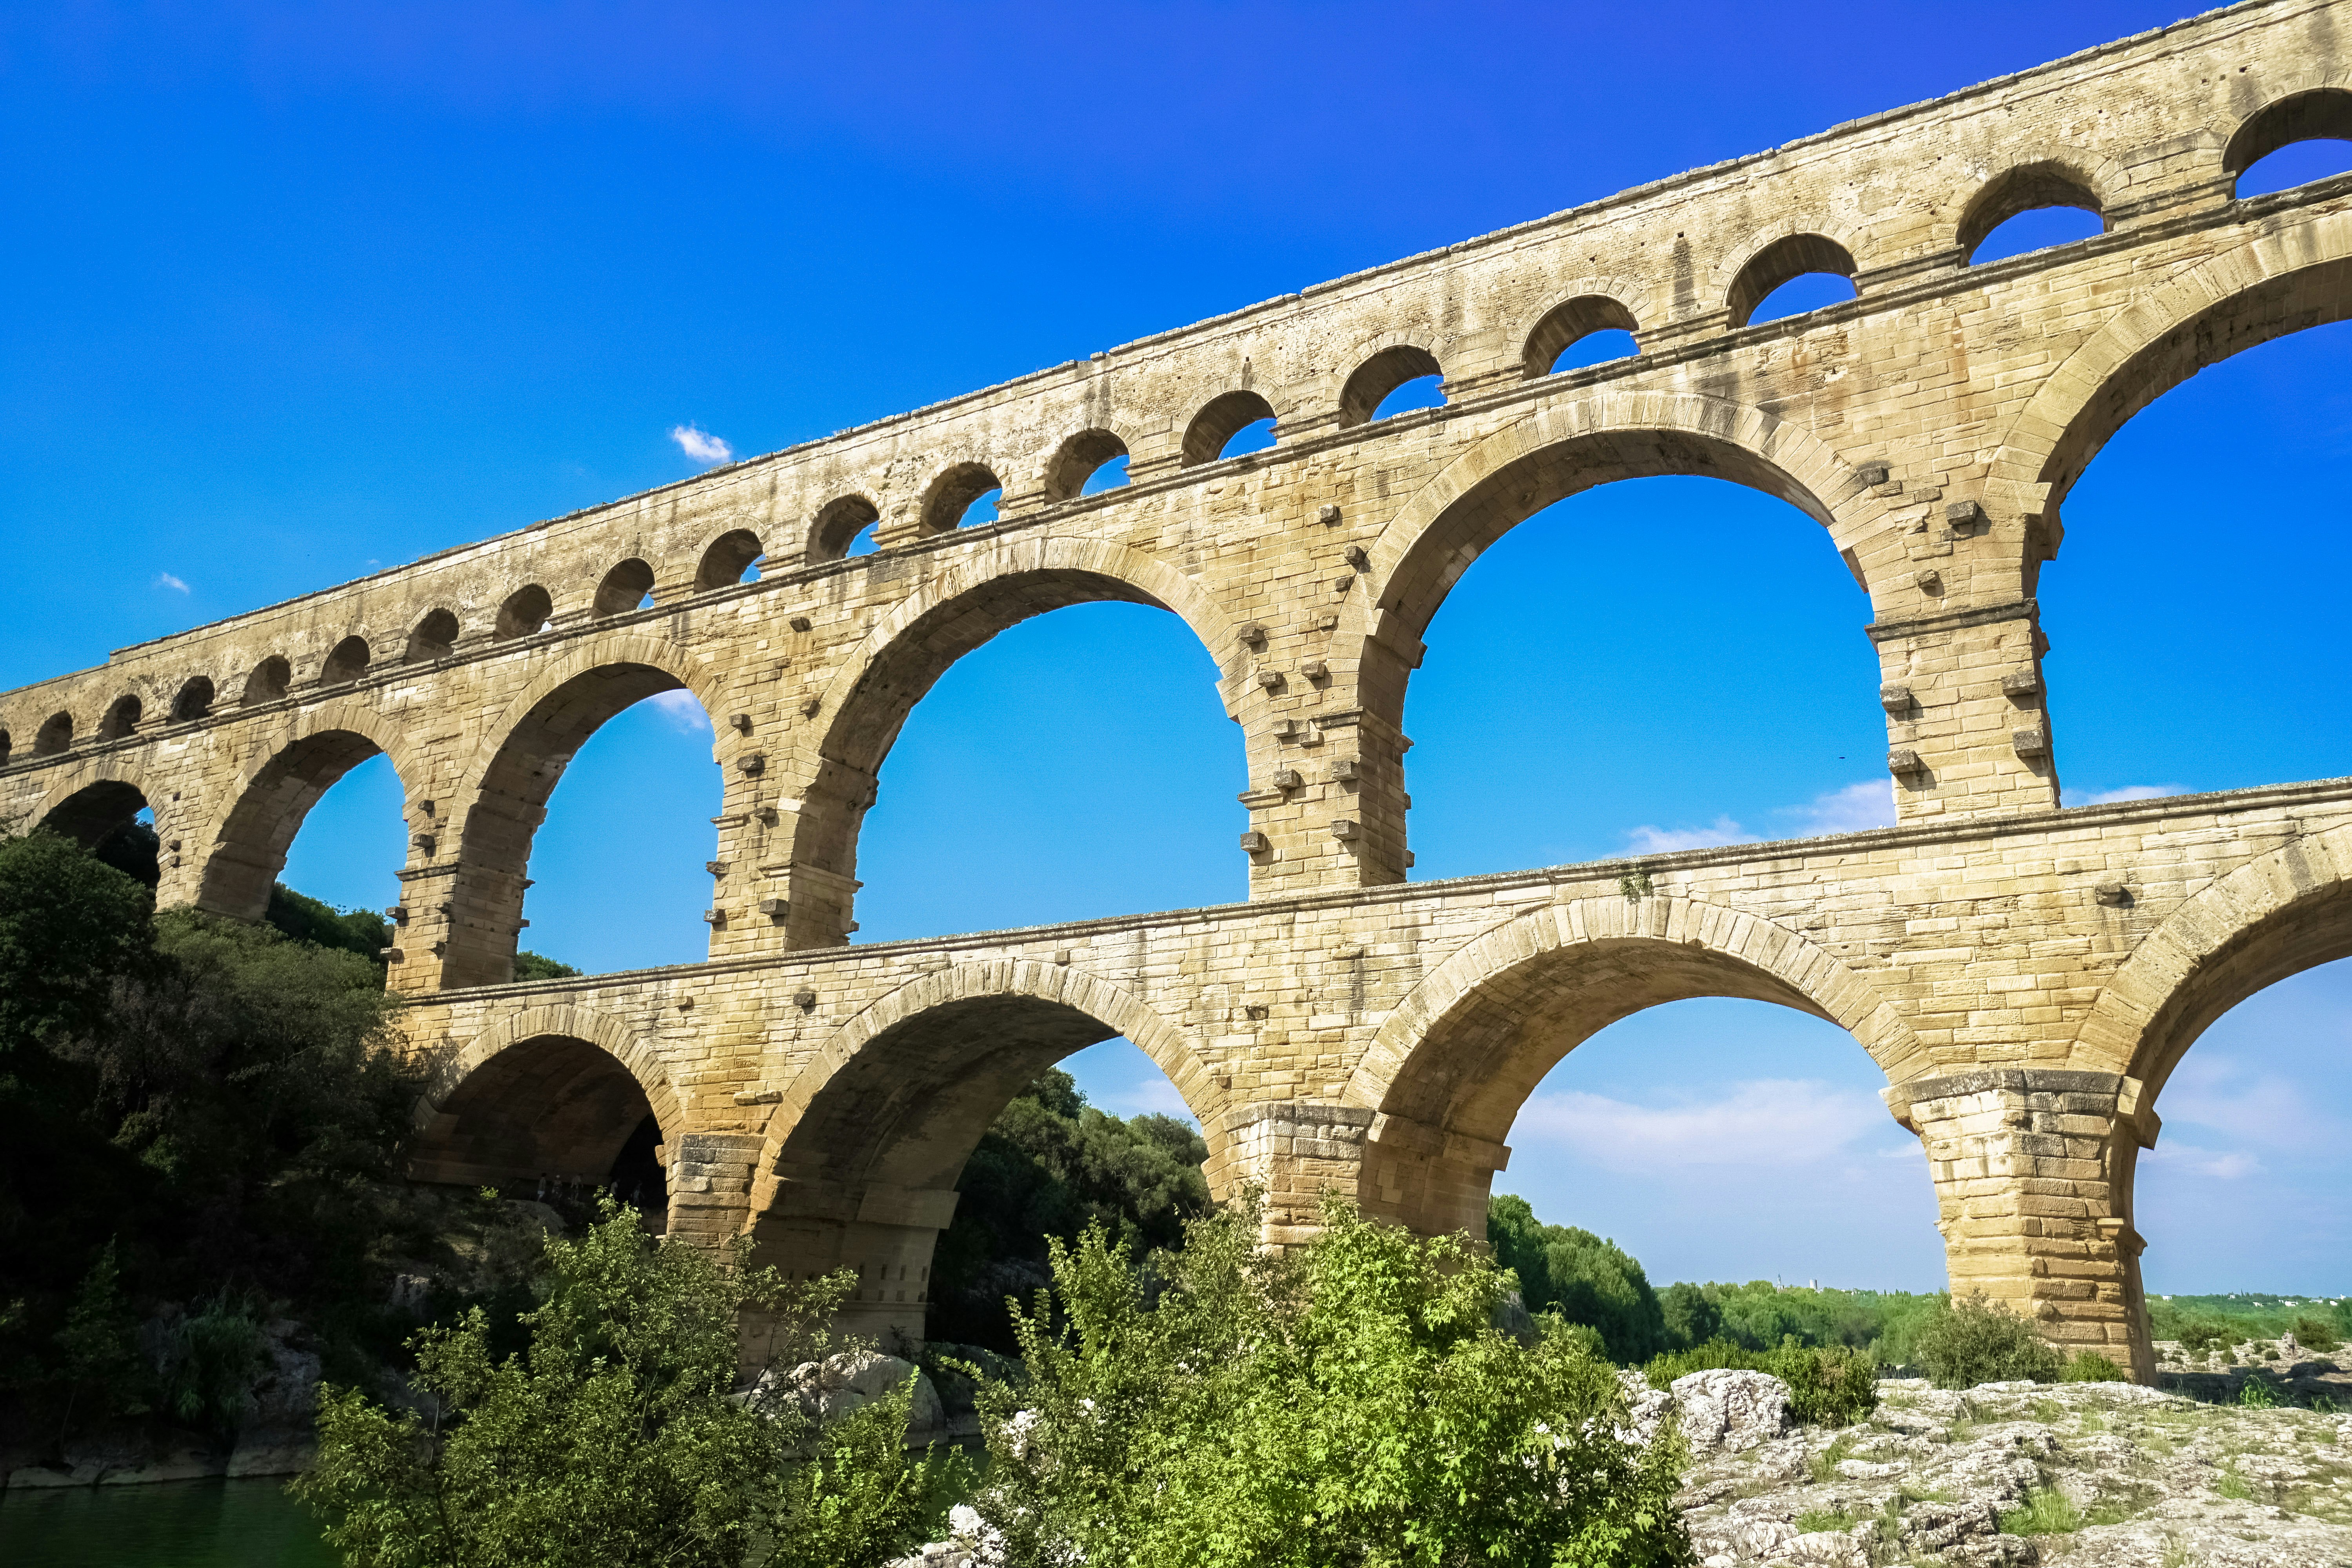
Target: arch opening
[8, 747]
[346, 663]
[629, 585]
[1047, 849]
[433, 637]
[497, 827]
[121, 718]
[841, 527]
[550, 1107]
[97, 812]
[1794, 274]
[2027, 208]
[1229, 427]
[965, 496]
[525, 612]
[269, 680]
[2293, 142]
[900, 1167]
[732, 557]
[1392, 382]
[1597, 327]
[258, 834]
[195, 700]
[1081, 461]
[54, 736]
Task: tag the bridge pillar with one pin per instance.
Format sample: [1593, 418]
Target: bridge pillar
[885, 1235]
[2032, 1171]
[1968, 733]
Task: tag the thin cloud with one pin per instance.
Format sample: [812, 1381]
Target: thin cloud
[1649, 839]
[683, 709]
[1776, 1121]
[1857, 807]
[1153, 1095]
[2131, 792]
[2221, 1165]
[165, 579]
[2214, 1092]
[700, 445]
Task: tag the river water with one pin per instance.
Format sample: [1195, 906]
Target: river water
[176, 1524]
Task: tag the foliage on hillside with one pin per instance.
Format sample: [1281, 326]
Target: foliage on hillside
[2207, 1322]
[1047, 1167]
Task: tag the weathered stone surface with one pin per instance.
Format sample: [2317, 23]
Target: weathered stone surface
[1729, 1409]
[2026, 977]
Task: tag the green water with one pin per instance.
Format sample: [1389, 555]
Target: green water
[179, 1524]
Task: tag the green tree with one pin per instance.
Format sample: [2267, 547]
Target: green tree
[99, 1348]
[360, 932]
[1975, 1341]
[69, 928]
[614, 1438]
[1350, 1403]
[1690, 1318]
[1580, 1276]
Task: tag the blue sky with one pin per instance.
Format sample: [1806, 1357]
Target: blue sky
[297, 292]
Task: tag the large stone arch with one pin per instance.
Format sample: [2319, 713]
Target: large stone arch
[92, 798]
[2278, 914]
[500, 794]
[288, 760]
[1452, 1064]
[551, 1089]
[863, 1151]
[858, 716]
[2279, 282]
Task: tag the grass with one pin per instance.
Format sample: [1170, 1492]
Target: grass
[1822, 1466]
[1815, 1520]
[2046, 1512]
[2234, 1485]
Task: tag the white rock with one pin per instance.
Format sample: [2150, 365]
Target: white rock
[1726, 1408]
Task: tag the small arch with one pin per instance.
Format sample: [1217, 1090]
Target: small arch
[6, 746]
[952, 496]
[96, 812]
[530, 1100]
[195, 700]
[730, 555]
[1077, 460]
[269, 680]
[1784, 260]
[434, 636]
[1219, 421]
[54, 736]
[837, 524]
[625, 587]
[1570, 323]
[2320, 114]
[121, 718]
[1381, 374]
[2025, 188]
[525, 612]
[347, 663]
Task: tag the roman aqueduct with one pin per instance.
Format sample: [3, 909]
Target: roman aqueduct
[2027, 975]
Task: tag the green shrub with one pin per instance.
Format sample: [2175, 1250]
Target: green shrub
[2090, 1366]
[2202, 1336]
[1829, 1385]
[2046, 1512]
[1974, 1341]
[2257, 1394]
[2316, 1333]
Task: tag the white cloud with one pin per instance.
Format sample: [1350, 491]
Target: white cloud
[2221, 1166]
[165, 579]
[2211, 1090]
[1648, 839]
[1763, 1121]
[683, 709]
[700, 445]
[1870, 804]
[2130, 791]
[1151, 1094]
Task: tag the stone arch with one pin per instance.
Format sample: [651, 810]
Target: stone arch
[269, 680]
[1774, 259]
[1219, 420]
[123, 716]
[1381, 373]
[55, 735]
[1077, 459]
[433, 636]
[286, 766]
[725, 560]
[2316, 108]
[195, 699]
[346, 662]
[501, 794]
[950, 491]
[2282, 912]
[93, 801]
[549, 1090]
[1591, 305]
[2280, 282]
[623, 588]
[523, 612]
[2022, 187]
[837, 524]
[1451, 1066]
[863, 1152]
[967, 603]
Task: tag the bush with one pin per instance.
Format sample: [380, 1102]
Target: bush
[2257, 1394]
[2090, 1366]
[2316, 1333]
[1829, 1385]
[1349, 1403]
[2202, 1336]
[1974, 1341]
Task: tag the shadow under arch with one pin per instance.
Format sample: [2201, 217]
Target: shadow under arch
[863, 709]
[555, 1090]
[2282, 282]
[290, 765]
[861, 1160]
[503, 794]
[1450, 1067]
[91, 804]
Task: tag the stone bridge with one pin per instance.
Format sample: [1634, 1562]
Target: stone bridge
[2026, 976]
